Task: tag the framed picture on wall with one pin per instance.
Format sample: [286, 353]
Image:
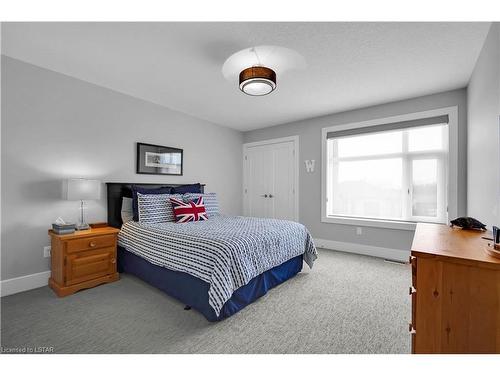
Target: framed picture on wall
[155, 159]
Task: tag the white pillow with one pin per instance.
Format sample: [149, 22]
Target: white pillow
[127, 211]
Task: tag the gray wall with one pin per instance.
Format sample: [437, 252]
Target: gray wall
[484, 133]
[309, 132]
[55, 127]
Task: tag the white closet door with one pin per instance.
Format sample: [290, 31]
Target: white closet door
[282, 193]
[260, 173]
[270, 178]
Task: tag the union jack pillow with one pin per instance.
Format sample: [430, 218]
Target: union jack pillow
[185, 212]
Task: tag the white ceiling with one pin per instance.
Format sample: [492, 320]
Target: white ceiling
[178, 65]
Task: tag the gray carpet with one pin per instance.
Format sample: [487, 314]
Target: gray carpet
[346, 304]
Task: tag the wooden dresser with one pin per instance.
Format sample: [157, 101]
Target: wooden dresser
[83, 260]
[455, 293]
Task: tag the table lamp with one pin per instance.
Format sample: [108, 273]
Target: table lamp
[80, 189]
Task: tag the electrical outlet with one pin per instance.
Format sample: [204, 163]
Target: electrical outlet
[46, 251]
[359, 231]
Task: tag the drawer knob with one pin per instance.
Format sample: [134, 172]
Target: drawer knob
[412, 290]
[93, 244]
[113, 260]
[411, 329]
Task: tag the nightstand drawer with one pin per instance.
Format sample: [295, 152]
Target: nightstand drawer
[89, 265]
[90, 243]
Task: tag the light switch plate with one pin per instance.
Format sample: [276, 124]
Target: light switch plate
[46, 251]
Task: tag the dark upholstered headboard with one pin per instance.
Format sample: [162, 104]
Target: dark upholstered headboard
[118, 190]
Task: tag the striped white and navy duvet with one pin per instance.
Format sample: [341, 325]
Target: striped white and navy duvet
[224, 251]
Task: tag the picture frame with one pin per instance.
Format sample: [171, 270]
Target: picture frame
[156, 159]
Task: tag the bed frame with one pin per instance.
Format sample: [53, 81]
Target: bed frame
[188, 289]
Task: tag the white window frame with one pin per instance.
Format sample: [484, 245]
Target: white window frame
[451, 177]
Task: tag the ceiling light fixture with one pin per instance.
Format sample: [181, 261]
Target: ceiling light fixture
[257, 80]
[256, 68]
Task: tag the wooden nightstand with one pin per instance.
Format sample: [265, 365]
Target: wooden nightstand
[83, 259]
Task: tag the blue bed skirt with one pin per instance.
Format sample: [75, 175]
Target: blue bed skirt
[194, 292]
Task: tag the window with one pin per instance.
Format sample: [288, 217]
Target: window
[394, 172]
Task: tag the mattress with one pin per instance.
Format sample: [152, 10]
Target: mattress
[225, 252]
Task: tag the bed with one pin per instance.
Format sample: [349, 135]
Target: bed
[217, 266]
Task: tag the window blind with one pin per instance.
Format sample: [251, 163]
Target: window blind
[391, 126]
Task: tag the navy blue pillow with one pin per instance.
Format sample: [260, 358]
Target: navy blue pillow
[183, 189]
[143, 190]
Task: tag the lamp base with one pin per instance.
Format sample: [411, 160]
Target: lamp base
[82, 226]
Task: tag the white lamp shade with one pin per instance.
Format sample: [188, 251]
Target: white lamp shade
[81, 189]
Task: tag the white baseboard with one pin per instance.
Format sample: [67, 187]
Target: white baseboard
[375, 251]
[23, 283]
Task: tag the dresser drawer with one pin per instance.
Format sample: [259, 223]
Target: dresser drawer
[89, 243]
[89, 265]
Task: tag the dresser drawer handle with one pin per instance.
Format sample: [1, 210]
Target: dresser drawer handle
[113, 260]
[92, 244]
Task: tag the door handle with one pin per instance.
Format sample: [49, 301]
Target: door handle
[265, 195]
